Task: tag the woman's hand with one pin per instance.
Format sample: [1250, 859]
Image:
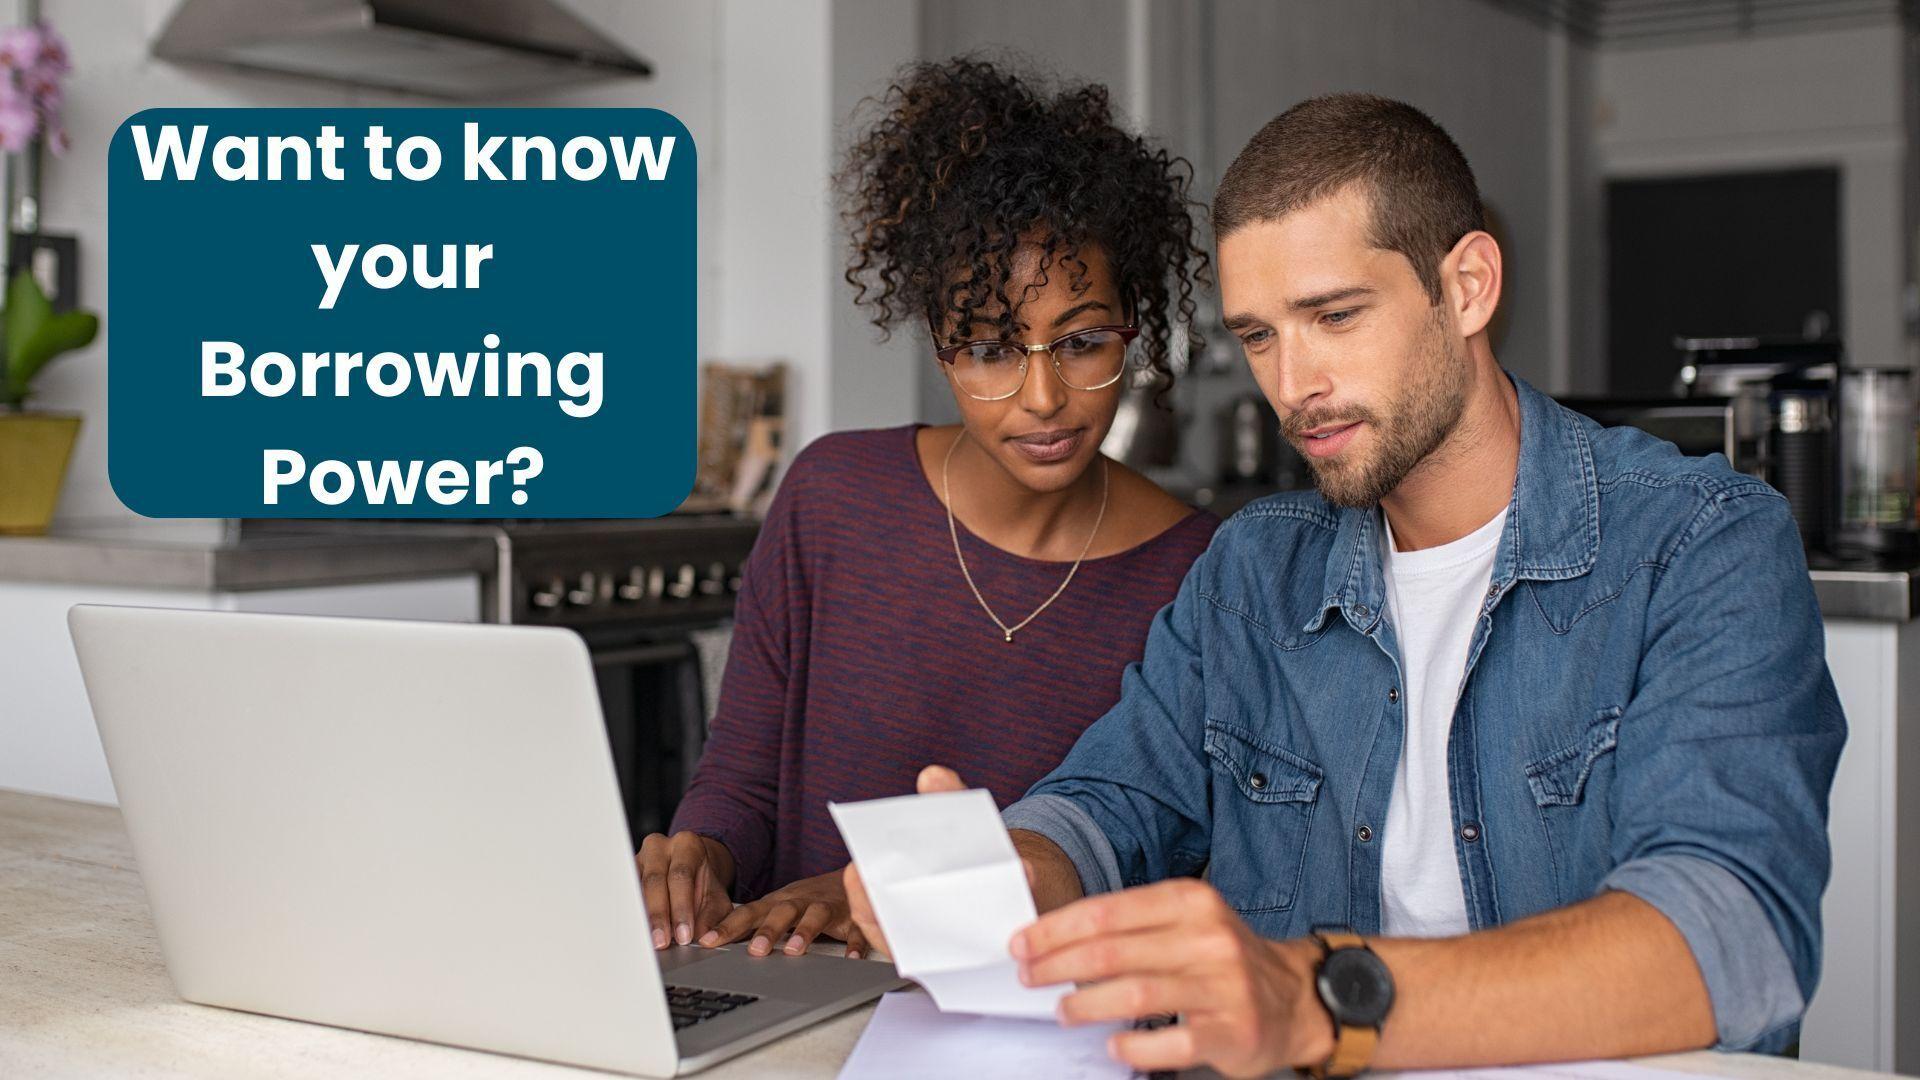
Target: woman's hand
[684, 880]
[800, 912]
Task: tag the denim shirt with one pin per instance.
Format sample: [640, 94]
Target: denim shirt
[1646, 707]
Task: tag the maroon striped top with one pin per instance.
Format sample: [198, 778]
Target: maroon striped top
[859, 656]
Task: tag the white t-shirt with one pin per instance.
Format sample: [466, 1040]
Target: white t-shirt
[1433, 600]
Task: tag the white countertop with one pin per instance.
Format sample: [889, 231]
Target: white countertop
[84, 993]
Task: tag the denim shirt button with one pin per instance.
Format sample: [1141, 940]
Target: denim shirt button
[1470, 832]
[1393, 695]
[1258, 781]
[1360, 610]
[1365, 834]
[1493, 592]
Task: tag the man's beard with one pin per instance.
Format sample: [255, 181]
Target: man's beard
[1420, 421]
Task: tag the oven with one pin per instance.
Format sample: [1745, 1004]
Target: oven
[638, 593]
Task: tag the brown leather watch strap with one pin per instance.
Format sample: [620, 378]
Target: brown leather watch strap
[1352, 1052]
[1340, 939]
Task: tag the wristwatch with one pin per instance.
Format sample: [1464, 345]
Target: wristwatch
[1357, 990]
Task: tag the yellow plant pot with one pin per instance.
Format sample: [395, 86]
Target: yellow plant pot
[34, 447]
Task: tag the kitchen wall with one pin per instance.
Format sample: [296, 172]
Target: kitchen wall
[1911, 70]
[1831, 97]
[1576, 227]
[874, 376]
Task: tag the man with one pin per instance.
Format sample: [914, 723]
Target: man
[1534, 713]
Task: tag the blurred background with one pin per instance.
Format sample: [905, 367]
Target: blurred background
[1655, 168]
[1709, 209]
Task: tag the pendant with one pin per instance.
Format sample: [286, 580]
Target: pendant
[1009, 637]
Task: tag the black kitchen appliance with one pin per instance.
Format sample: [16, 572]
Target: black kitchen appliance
[1786, 413]
[1743, 371]
[1838, 441]
[1800, 445]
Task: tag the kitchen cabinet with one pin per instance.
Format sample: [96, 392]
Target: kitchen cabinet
[1866, 1011]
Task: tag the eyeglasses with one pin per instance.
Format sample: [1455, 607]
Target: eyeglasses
[1090, 359]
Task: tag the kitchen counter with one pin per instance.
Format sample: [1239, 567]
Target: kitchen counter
[1883, 594]
[192, 557]
[155, 555]
[84, 992]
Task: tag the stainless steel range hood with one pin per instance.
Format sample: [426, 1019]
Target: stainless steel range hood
[460, 49]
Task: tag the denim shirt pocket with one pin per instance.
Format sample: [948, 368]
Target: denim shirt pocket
[1563, 784]
[1263, 803]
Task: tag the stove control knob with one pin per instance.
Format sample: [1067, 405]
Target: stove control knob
[634, 588]
[733, 582]
[548, 596]
[715, 582]
[683, 583]
[586, 592]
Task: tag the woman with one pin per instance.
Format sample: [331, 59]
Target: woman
[967, 594]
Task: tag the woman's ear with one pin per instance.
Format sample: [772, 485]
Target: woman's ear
[1470, 281]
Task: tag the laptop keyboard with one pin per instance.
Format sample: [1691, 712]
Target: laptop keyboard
[690, 1006]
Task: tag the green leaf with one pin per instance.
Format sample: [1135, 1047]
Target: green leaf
[27, 308]
[60, 333]
[35, 335]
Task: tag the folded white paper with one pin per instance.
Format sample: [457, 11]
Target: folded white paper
[949, 893]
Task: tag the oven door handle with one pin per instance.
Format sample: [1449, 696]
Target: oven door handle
[660, 653]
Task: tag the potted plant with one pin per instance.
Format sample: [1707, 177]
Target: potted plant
[34, 446]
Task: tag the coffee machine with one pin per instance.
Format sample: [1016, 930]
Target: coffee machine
[1837, 440]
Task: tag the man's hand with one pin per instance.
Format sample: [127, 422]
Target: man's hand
[1050, 874]
[800, 912]
[684, 880]
[1248, 1005]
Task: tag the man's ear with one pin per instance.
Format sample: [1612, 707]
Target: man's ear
[1470, 281]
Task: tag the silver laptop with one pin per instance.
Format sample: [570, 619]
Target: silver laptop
[414, 829]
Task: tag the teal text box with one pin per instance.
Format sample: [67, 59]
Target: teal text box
[585, 262]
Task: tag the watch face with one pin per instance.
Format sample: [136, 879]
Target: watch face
[1356, 987]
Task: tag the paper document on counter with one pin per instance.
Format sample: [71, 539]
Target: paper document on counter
[909, 1037]
[949, 893]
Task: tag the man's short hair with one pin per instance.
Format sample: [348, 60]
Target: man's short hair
[1422, 192]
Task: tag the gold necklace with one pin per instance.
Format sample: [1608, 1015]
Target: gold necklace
[946, 491]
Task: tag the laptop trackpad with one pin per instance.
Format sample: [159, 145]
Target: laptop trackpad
[811, 978]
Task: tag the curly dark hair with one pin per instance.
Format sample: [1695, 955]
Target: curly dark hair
[971, 159]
